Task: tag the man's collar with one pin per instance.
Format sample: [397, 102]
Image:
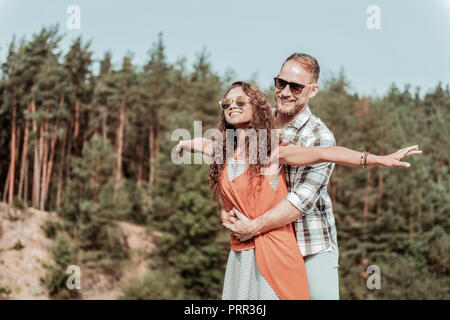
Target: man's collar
[301, 119]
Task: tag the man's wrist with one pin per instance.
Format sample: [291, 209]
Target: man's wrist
[257, 225]
[373, 160]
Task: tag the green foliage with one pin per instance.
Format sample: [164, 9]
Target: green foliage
[91, 208]
[51, 227]
[64, 253]
[397, 219]
[18, 203]
[136, 201]
[4, 293]
[193, 243]
[18, 245]
[156, 285]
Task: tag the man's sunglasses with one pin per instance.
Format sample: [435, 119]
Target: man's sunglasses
[240, 101]
[296, 88]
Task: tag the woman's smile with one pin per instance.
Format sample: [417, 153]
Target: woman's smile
[235, 113]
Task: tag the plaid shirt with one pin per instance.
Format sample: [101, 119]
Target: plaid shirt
[307, 185]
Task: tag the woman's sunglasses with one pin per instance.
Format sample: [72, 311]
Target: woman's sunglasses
[240, 101]
[296, 88]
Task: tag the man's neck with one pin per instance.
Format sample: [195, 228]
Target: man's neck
[281, 119]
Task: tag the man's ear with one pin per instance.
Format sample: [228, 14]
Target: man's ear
[314, 91]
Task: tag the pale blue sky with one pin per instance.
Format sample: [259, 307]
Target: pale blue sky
[253, 37]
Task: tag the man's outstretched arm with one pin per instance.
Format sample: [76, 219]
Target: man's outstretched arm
[306, 186]
[305, 192]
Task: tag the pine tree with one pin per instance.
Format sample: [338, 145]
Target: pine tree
[89, 210]
[205, 91]
[156, 83]
[77, 63]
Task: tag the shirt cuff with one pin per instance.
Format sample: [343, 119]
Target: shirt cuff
[295, 200]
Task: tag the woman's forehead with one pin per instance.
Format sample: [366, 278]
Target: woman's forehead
[237, 91]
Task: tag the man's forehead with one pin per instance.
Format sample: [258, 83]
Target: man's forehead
[294, 71]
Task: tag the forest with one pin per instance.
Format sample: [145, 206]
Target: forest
[91, 141]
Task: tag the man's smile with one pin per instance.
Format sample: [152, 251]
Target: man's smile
[286, 101]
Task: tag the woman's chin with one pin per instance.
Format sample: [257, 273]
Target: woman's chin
[237, 124]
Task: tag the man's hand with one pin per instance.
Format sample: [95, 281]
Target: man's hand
[393, 159]
[242, 228]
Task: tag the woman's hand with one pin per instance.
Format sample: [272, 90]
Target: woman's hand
[393, 159]
[183, 145]
[200, 145]
[227, 216]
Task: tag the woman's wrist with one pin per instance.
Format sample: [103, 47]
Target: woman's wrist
[185, 145]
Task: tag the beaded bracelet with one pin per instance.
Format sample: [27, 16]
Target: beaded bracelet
[364, 159]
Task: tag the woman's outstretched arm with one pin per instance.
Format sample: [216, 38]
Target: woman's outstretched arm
[302, 156]
[201, 145]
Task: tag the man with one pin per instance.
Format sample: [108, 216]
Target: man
[308, 203]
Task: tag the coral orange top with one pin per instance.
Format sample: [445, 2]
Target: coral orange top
[277, 253]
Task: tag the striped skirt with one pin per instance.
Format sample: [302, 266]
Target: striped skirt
[243, 280]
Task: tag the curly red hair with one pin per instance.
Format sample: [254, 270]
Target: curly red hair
[262, 119]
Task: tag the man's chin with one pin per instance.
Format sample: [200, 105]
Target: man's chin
[287, 110]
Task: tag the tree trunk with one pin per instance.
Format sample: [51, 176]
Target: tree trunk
[44, 159]
[76, 129]
[104, 127]
[420, 198]
[158, 131]
[37, 165]
[24, 155]
[25, 185]
[12, 167]
[379, 192]
[151, 140]
[120, 133]
[51, 160]
[140, 152]
[69, 151]
[85, 133]
[366, 202]
[60, 172]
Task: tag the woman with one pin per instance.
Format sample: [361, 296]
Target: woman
[269, 266]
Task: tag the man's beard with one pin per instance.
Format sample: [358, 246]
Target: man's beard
[290, 112]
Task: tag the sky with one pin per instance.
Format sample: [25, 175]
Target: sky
[254, 37]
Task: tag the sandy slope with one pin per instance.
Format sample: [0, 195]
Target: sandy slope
[21, 270]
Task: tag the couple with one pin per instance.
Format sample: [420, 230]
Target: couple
[283, 233]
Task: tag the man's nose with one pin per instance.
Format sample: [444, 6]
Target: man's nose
[286, 92]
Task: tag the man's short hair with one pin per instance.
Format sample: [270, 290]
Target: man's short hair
[309, 63]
